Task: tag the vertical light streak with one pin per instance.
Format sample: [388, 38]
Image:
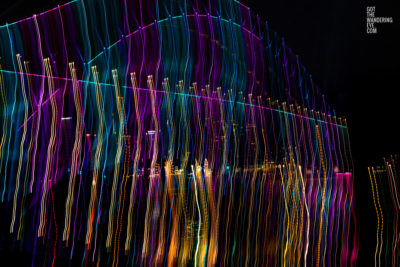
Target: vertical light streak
[4, 116]
[153, 171]
[135, 161]
[27, 167]
[323, 191]
[97, 159]
[50, 148]
[372, 179]
[75, 163]
[21, 147]
[117, 162]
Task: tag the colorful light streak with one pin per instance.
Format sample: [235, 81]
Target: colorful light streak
[384, 182]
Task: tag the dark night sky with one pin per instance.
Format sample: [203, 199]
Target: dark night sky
[357, 72]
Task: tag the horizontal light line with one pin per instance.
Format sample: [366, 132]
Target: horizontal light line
[179, 94]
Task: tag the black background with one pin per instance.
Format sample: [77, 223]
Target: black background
[357, 72]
